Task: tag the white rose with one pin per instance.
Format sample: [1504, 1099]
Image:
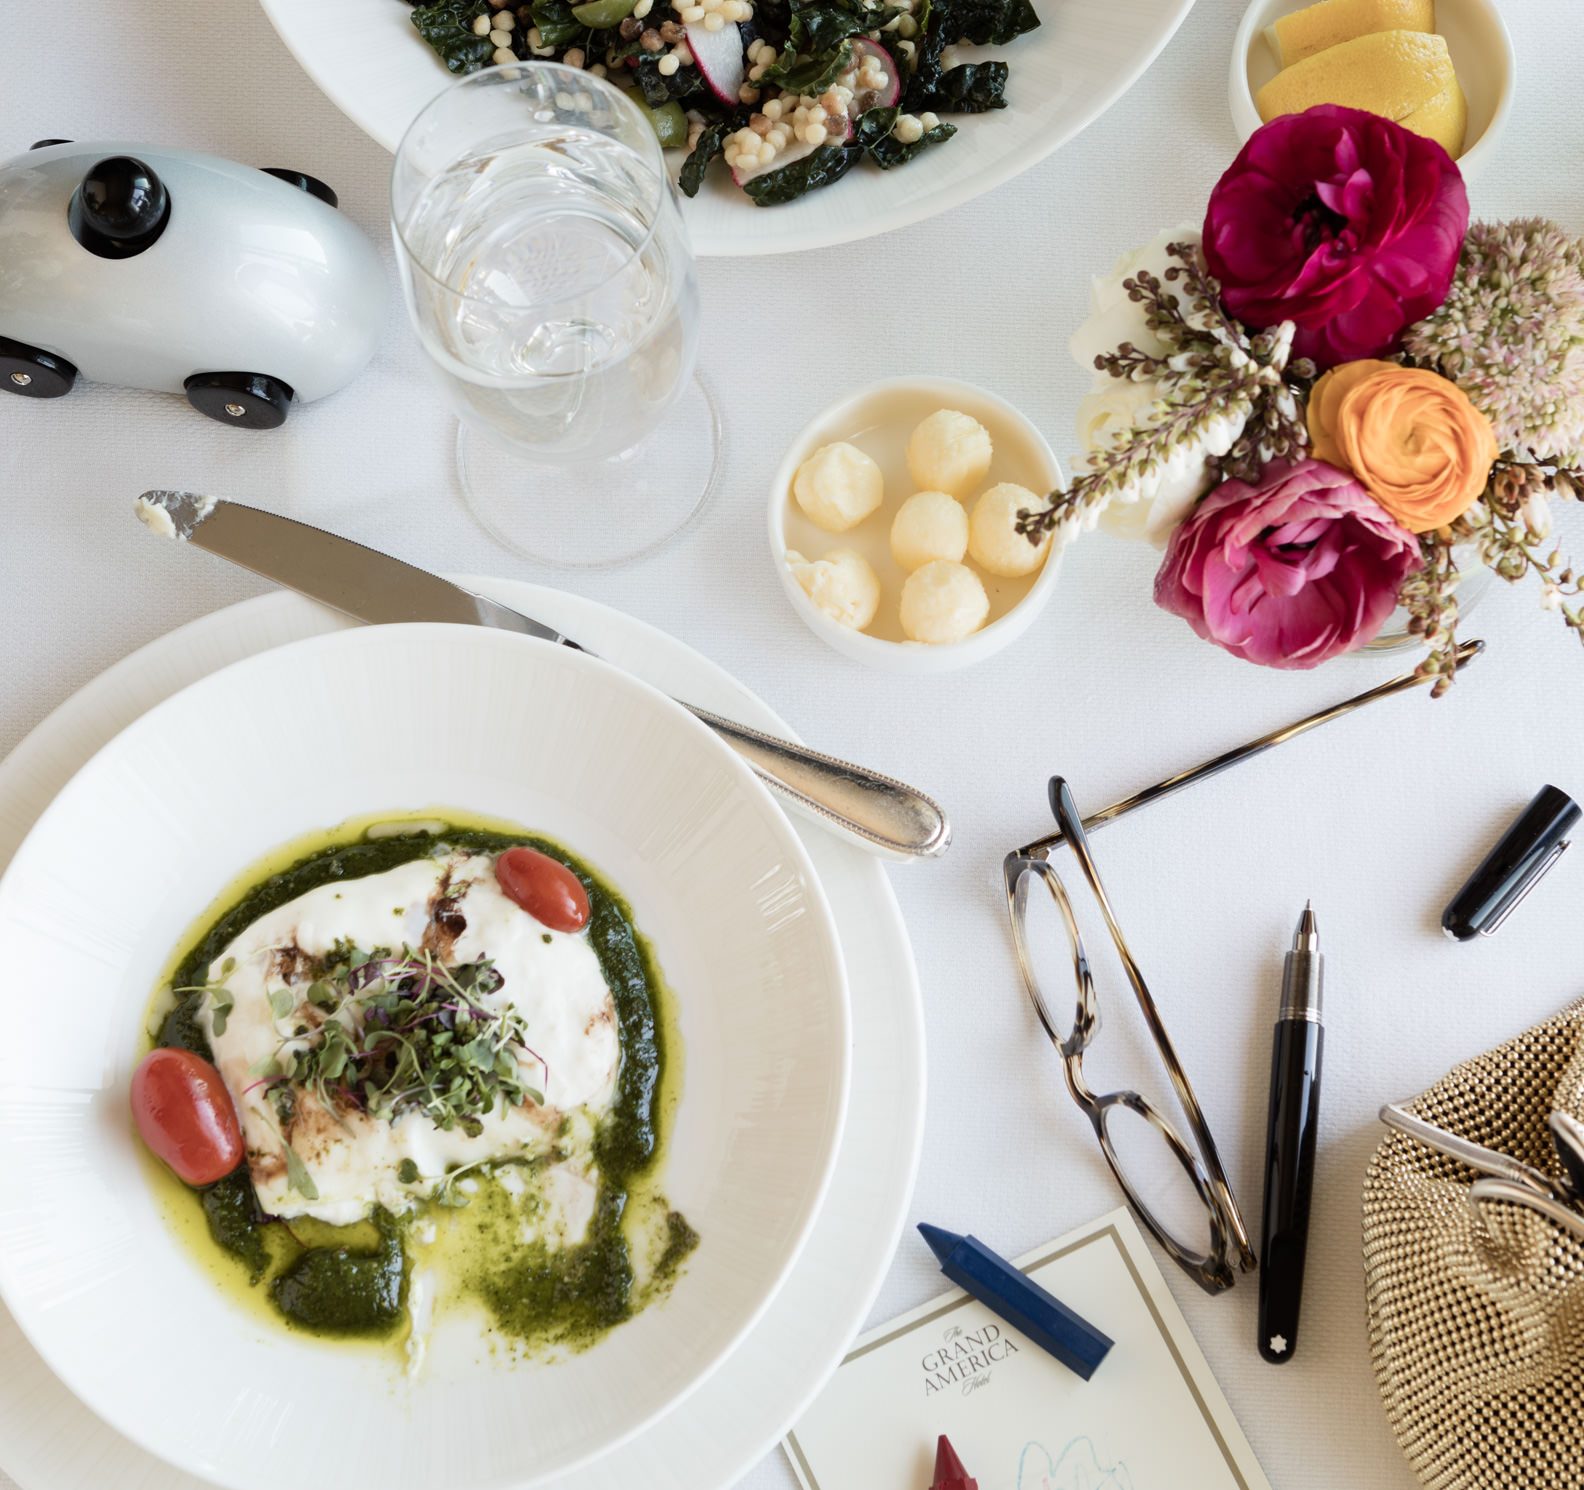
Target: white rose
[1153, 506]
[1113, 318]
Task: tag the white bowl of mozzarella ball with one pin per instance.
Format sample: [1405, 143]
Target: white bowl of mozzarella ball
[893, 524]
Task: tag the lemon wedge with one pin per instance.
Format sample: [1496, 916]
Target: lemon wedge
[1403, 75]
[1443, 119]
[1305, 32]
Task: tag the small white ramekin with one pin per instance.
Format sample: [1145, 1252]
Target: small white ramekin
[840, 422]
[1476, 38]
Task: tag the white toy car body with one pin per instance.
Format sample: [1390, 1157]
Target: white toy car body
[245, 277]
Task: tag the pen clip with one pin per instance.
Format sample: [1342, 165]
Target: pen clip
[1520, 892]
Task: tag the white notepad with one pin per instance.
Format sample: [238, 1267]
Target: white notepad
[1151, 1417]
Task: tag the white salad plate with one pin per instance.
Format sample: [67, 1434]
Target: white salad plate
[370, 61]
[50, 1441]
[413, 717]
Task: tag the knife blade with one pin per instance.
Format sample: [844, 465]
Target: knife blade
[886, 817]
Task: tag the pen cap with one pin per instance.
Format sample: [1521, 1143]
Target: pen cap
[1512, 869]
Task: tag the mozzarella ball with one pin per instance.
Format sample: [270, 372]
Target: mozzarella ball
[838, 487]
[842, 585]
[929, 525]
[993, 539]
[943, 602]
[949, 452]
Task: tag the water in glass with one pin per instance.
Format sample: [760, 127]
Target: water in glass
[556, 301]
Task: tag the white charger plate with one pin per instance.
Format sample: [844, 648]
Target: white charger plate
[50, 1441]
[371, 63]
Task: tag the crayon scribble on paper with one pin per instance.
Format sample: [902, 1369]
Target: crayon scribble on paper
[1078, 1467]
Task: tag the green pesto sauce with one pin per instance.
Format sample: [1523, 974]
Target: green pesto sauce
[345, 1290]
[351, 1282]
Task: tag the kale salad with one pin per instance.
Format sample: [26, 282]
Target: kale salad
[788, 94]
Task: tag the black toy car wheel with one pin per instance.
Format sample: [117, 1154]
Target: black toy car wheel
[304, 182]
[32, 373]
[250, 400]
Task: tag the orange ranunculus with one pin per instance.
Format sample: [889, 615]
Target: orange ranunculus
[1410, 437]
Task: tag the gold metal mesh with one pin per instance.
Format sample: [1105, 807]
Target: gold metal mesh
[1476, 1314]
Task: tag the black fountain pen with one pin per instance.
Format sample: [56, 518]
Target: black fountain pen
[1290, 1144]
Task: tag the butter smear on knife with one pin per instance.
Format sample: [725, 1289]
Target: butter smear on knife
[172, 514]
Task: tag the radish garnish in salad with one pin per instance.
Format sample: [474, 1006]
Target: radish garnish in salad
[790, 93]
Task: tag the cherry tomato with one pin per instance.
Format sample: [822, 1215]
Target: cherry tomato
[185, 1115]
[548, 891]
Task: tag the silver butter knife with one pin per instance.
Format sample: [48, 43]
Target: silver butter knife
[883, 816]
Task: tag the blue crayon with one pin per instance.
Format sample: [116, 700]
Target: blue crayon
[1048, 1322]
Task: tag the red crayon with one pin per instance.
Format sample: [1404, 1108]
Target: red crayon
[949, 1471]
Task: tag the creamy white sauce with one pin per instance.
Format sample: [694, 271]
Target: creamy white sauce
[552, 979]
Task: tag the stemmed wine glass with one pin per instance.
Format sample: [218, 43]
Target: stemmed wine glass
[548, 272]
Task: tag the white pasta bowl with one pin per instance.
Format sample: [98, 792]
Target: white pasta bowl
[1477, 42]
[878, 418]
[363, 721]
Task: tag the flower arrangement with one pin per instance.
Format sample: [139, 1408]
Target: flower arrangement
[1327, 399]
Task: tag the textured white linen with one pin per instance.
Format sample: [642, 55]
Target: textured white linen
[1377, 818]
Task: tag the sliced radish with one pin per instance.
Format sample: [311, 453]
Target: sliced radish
[872, 98]
[719, 55]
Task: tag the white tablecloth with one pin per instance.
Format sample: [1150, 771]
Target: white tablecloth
[1378, 818]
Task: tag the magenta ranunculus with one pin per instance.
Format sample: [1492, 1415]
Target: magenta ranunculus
[1290, 572]
[1341, 221]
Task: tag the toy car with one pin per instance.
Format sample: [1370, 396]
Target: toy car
[243, 289]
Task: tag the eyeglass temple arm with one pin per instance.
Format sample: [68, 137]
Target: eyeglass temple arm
[1465, 654]
[1067, 818]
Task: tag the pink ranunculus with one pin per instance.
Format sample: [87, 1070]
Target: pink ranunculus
[1341, 221]
[1290, 572]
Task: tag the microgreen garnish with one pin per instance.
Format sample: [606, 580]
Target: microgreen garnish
[297, 1176]
[221, 1001]
[447, 1193]
[402, 1032]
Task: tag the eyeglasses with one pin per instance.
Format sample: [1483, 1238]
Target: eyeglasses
[1029, 877]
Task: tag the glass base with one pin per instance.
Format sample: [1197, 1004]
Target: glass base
[599, 513]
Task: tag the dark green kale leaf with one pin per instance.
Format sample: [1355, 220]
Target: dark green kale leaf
[827, 164]
[974, 87]
[771, 20]
[873, 136]
[558, 27]
[659, 90]
[986, 23]
[447, 26]
[971, 88]
[820, 27]
[710, 144]
[813, 76]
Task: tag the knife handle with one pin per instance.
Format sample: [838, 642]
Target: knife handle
[883, 816]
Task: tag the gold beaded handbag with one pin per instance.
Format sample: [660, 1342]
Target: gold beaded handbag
[1474, 1267]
